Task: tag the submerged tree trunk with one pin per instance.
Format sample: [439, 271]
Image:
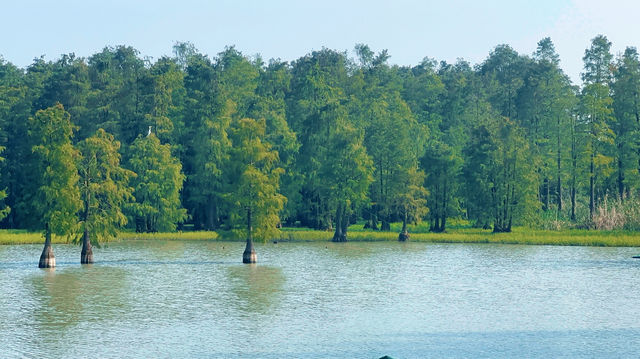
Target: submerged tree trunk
[86, 256]
[47, 258]
[404, 235]
[249, 255]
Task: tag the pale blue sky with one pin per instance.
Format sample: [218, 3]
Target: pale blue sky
[288, 29]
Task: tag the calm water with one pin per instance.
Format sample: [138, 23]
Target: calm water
[356, 300]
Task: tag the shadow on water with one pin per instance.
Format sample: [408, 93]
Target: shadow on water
[258, 288]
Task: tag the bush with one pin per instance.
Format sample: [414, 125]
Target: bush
[619, 214]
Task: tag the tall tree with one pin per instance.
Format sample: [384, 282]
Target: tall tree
[274, 82]
[104, 189]
[254, 183]
[156, 187]
[501, 179]
[347, 173]
[317, 98]
[3, 211]
[57, 198]
[596, 105]
[626, 105]
[545, 103]
[208, 116]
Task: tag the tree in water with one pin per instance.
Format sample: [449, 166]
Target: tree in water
[254, 183]
[57, 199]
[104, 189]
[156, 187]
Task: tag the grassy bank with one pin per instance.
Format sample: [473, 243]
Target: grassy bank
[357, 233]
[24, 237]
[518, 236]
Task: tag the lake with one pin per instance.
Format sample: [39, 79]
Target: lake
[175, 299]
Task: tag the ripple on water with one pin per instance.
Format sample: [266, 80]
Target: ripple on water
[307, 300]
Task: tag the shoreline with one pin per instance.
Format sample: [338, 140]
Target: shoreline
[523, 236]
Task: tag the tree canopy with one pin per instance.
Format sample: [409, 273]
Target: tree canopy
[324, 141]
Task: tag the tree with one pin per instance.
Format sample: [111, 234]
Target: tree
[318, 90]
[500, 178]
[626, 105]
[57, 199]
[254, 183]
[545, 103]
[347, 173]
[156, 187]
[596, 108]
[270, 104]
[3, 194]
[209, 116]
[104, 189]
[411, 202]
[393, 137]
[443, 166]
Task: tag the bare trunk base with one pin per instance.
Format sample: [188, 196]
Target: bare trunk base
[86, 256]
[403, 236]
[249, 255]
[47, 258]
[339, 237]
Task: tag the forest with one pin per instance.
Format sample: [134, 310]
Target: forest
[234, 143]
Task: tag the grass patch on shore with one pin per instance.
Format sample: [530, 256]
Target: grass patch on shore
[187, 236]
[21, 236]
[462, 234]
[519, 235]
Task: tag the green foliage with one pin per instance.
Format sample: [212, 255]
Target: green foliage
[253, 179]
[501, 186]
[56, 200]
[357, 139]
[104, 187]
[156, 187]
[3, 211]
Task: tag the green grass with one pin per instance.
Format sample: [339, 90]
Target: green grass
[459, 234]
[520, 235]
[19, 236]
[188, 236]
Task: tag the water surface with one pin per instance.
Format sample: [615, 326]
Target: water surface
[173, 299]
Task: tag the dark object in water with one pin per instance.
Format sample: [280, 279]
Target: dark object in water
[636, 257]
[386, 357]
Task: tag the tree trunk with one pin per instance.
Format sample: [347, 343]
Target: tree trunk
[249, 255]
[211, 216]
[547, 193]
[592, 203]
[404, 235]
[386, 226]
[620, 179]
[339, 235]
[573, 203]
[47, 258]
[86, 256]
[559, 168]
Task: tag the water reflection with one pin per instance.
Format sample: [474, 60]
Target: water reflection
[257, 288]
[69, 296]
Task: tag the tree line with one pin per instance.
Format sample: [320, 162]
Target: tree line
[235, 143]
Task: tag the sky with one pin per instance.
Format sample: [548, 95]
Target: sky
[288, 29]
